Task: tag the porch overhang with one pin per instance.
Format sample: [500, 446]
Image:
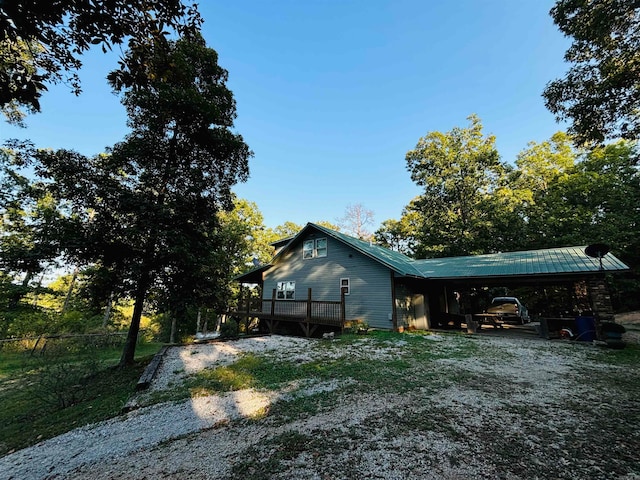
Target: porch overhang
[252, 276]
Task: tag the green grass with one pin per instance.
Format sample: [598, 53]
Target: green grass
[31, 386]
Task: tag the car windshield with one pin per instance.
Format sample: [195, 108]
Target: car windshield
[504, 300]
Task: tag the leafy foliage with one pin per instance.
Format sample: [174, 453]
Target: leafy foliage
[459, 170]
[600, 94]
[148, 209]
[41, 41]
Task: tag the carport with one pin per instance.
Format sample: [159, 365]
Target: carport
[452, 287]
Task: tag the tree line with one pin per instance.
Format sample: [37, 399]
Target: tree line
[153, 220]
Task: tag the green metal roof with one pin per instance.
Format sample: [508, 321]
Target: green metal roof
[396, 261]
[550, 261]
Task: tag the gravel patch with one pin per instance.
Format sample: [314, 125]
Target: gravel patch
[502, 413]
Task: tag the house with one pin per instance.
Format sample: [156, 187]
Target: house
[387, 289]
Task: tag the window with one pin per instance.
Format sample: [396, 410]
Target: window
[286, 291]
[321, 247]
[307, 249]
[345, 286]
[314, 248]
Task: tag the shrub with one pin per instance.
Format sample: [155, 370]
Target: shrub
[229, 329]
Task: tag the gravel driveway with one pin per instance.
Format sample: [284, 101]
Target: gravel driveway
[451, 407]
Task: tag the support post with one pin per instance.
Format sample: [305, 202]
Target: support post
[273, 303]
[342, 310]
[394, 315]
[472, 325]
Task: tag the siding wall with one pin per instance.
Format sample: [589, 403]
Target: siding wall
[370, 282]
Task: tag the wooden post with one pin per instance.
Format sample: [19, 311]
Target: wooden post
[472, 325]
[273, 303]
[544, 328]
[394, 316]
[342, 310]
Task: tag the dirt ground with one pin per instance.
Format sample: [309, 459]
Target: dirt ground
[631, 322]
[440, 406]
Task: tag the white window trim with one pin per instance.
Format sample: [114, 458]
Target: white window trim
[325, 249]
[305, 250]
[314, 250]
[347, 286]
[282, 287]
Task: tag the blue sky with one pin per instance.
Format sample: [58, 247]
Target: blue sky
[332, 94]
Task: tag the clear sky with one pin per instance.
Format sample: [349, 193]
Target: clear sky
[331, 94]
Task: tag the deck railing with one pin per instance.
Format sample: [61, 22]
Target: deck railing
[319, 312]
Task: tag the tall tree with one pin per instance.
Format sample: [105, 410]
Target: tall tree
[151, 205]
[539, 181]
[356, 221]
[287, 229]
[41, 41]
[600, 94]
[609, 185]
[398, 234]
[459, 171]
[29, 224]
[247, 238]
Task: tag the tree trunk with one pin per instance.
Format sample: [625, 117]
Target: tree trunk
[107, 313]
[174, 325]
[67, 299]
[129, 351]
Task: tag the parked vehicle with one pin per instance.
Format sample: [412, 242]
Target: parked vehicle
[509, 310]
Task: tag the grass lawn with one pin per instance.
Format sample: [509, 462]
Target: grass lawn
[45, 395]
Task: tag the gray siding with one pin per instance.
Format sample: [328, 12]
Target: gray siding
[370, 282]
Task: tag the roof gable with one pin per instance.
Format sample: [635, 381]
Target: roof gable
[396, 261]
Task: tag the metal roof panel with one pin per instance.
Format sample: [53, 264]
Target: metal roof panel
[531, 262]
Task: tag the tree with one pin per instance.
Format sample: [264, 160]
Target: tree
[247, 238]
[608, 185]
[600, 94]
[41, 40]
[29, 225]
[398, 234]
[355, 221]
[149, 207]
[287, 229]
[538, 184]
[459, 171]
[328, 224]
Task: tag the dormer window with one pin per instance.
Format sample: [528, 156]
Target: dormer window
[314, 248]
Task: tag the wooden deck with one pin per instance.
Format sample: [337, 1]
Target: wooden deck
[309, 314]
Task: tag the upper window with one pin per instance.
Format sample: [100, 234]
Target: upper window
[307, 249]
[314, 248]
[321, 247]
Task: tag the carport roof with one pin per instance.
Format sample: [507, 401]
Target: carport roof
[552, 261]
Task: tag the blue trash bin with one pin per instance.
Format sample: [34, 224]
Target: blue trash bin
[586, 329]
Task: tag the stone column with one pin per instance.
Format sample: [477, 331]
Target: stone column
[601, 302]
